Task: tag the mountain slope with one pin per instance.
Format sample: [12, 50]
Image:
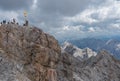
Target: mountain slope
[102, 67]
[27, 54]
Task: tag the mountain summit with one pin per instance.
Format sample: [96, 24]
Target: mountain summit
[29, 54]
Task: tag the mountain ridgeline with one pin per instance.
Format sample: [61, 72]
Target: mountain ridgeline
[29, 54]
[111, 44]
[81, 54]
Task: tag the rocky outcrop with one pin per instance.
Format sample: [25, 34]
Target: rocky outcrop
[27, 54]
[81, 54]
[102, 67]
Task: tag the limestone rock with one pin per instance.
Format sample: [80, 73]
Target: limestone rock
[79, 53]
[102, 67]
[27, 54]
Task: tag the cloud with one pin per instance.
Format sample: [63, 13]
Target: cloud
[83, 17]
[15, 4]
[115, 26]
[8, 15]
[34, 5]
[105, 11]
[63, 7]
[66, 19]
[91, 29]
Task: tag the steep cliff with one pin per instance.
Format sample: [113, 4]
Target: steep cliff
[27, 54]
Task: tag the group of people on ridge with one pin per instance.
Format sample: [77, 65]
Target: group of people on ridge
[14, 22]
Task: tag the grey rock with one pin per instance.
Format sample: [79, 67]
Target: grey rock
[29, 54]
[102, 67]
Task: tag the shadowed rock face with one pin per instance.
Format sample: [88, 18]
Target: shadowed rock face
[27, 54]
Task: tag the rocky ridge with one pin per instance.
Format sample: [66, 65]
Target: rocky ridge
[81, 54]
[102, 67]
[29, 54]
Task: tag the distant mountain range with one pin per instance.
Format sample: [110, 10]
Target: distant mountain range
[111, 45]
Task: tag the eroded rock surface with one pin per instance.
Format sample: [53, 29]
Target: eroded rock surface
[102, 67]
[27, 54]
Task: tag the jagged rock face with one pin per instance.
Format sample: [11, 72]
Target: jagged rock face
[81, 54]
[102, 67]
[27, 54]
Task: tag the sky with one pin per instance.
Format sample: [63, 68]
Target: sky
[67, 19]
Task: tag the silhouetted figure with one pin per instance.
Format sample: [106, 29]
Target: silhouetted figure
[4, 21]
[14, 21]
[8, 22]
[23, 24]
[17, 23]
[26, 22]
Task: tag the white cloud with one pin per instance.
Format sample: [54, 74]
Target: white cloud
[66, 28]
[34, 5]
[109, 10]
[91, 29]
[8, 15]
[69, 32]
[72, 28]
[84, 17]
[115, 26]
[95, 14]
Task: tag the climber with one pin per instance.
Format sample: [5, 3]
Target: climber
[17, 23]
[8, 23]
[26, 21]
[14, 21]
[4, 21]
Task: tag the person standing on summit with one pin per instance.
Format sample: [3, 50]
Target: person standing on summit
[26, 21]
[14, 21]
